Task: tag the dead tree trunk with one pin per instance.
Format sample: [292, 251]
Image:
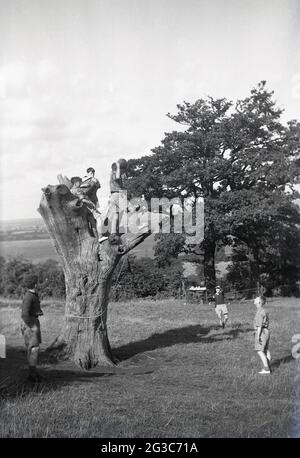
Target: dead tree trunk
[88, 269]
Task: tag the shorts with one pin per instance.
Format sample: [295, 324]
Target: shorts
[118, 201]
[221, 308]
[32, 334]
[263, 345]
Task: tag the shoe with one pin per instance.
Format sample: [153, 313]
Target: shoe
[102, 239]
[34, 378]
[265, 371]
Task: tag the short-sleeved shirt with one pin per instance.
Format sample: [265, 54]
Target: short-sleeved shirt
[261, 319]
[219, 298]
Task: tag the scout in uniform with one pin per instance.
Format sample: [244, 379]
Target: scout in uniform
[30, 325]
[262, 334]
[220, 307]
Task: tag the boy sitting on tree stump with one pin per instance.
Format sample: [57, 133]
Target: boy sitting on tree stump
[86, 190]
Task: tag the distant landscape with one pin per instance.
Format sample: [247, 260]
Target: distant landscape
[29, 238]
[23, 229]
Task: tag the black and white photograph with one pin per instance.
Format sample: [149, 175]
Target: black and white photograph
[149, 222]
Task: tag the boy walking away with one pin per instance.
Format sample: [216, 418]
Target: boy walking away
[221, 307]
[262, 334]
[30, 325]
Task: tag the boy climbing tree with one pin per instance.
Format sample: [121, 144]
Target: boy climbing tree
[86, 190]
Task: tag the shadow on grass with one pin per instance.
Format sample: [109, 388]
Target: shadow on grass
[13, 369]
[185, 335]
[14, 372]
[284, 360]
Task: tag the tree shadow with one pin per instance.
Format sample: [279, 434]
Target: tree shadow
[185, 335]
[54, 374]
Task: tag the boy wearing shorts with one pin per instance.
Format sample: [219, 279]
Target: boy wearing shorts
[262, 334]
[220, 307]
[30, 325]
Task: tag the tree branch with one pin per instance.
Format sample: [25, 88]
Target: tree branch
[131, 242]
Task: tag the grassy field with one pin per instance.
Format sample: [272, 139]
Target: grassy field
[179, 376]
[33, 250]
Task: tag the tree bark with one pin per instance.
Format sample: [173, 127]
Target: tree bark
[253, 268]
[209, 264]
[88, 268]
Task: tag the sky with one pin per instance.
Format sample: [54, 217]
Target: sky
[85, 82]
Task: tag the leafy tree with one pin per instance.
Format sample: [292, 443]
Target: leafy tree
[168, 247]
[241, 159]
[51, 279]
[143, 277]
[13, 273]
[277, 263]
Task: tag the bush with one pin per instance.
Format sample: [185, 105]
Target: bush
[144, 278]
[51, 281]
[139, 278]
[12, 275]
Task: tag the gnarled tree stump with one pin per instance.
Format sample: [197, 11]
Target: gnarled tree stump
[88, 268]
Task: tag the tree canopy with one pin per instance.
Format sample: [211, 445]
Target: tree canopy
[242, 160]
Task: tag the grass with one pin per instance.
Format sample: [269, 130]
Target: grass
[179, 376]
[34, 250]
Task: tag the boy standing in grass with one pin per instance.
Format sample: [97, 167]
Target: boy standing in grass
[262, 334]
[220, 307]
[30, 326]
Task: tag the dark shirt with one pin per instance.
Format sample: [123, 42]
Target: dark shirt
[89, 189]
[31, 308]
[219, 298]
[117, 184]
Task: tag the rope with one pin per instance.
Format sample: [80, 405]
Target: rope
[84, 317]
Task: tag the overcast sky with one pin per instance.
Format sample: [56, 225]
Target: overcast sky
[85, 82]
